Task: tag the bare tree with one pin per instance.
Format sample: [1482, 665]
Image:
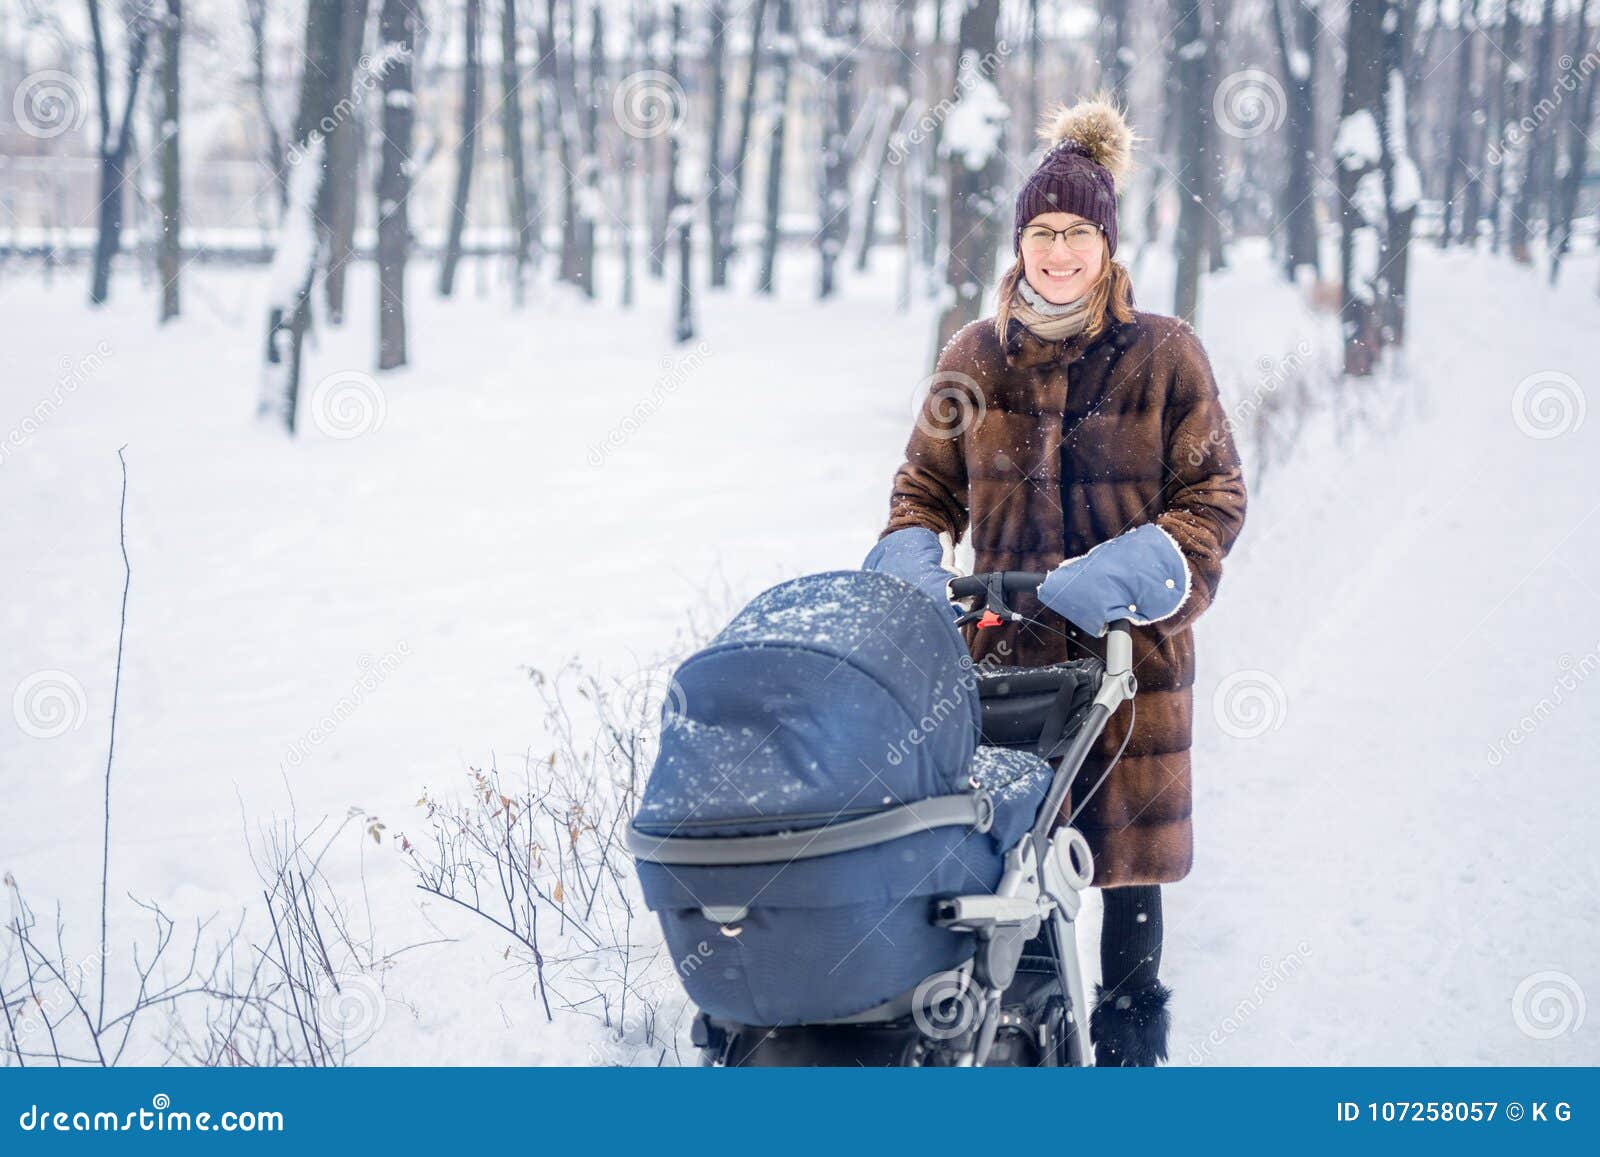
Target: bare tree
[717, 20]
[836, 62]
[116, 137]
[734, 186]
[1457, 168]
[1540, 142]
[466, 149]
[171, 167]
[680, 213]
[1358, 152]
[1297, 54]
[344, 156]
[302, 236]
[975, 171]
[511, 134]
[256, 17]
[893, 112]
[1402, 185]
[589, 204]
[397, 33]
[1116, 58]
[1190, 65]
[782, 64]
[1579, 120]
[1508, 108]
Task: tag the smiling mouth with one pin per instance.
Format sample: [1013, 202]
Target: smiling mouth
[1063, 274]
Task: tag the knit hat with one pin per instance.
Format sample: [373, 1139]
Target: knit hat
[1087, 148]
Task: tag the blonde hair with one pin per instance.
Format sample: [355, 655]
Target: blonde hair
[1112, 293]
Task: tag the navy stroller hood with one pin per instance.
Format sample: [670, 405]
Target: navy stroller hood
[828, 695]
[827, 699]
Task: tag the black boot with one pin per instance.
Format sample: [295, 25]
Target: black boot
[1130, 1029]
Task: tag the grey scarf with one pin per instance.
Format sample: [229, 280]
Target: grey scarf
[1047, 320]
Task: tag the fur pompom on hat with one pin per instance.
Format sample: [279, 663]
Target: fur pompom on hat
[1089, 148]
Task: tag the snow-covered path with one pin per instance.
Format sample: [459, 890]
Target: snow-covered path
[1369, 886]
[1382, 867]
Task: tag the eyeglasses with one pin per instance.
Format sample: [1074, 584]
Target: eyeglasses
[1080, 238]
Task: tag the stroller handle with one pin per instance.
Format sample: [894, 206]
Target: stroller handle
[1010, 582]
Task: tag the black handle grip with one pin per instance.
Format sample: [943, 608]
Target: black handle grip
[1011, 582]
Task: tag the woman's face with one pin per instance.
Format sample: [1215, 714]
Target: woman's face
[1062, 266]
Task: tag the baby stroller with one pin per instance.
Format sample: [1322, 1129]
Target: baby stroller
[849, 834]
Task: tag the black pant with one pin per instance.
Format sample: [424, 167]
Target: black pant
[1130, 938]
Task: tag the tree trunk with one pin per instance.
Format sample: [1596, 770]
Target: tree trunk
[1509, 107]
[115, 143]
[893, 113]
[171, 169]
[837, 62]
[1578, 134]
[1215, 199]
[725, 245]
[628, 177]
[1115, 57]
[976, 171]
[256, 15]
[717, 17]
[1539, 143]
[301, 239]
[589, 204]
[511, 134]
[1189, 64]
[680, 216]
[1402, 185]
[1298, 54]
[344, 157]
[566, 62]
[397, 27]
[1457, 169]
[782, 61]
[466, 149]
[932, 191]
[1358, 154]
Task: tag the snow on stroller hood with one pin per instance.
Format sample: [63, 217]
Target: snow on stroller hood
[828, 696]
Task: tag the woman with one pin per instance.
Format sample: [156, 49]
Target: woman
[1066, 421]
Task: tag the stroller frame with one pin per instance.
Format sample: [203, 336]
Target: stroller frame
[1040, 891]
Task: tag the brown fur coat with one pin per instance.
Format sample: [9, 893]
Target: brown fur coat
[1040, 450]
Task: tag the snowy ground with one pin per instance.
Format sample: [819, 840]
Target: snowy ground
[1371, 885]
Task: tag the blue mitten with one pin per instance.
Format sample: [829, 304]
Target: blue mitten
[1141, 576]
[914, 554]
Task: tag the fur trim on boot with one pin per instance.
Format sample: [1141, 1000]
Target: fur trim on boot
[1130, 1029]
